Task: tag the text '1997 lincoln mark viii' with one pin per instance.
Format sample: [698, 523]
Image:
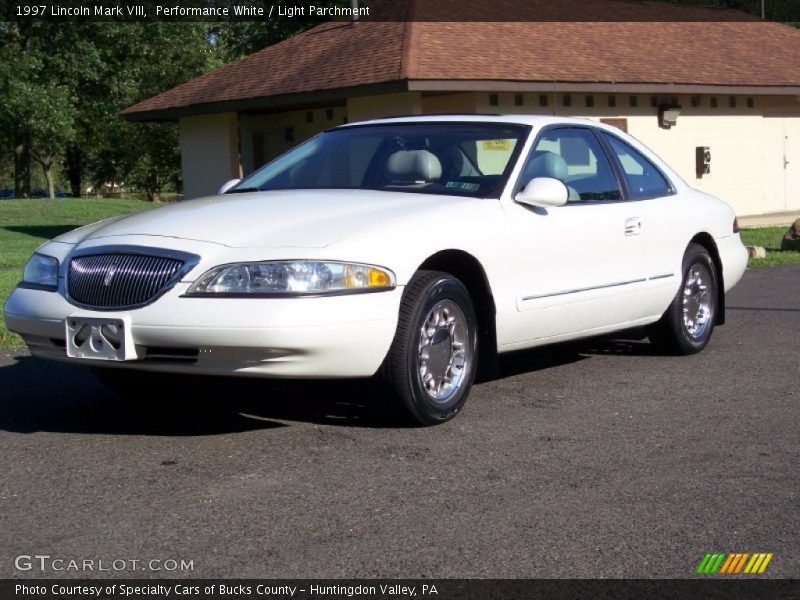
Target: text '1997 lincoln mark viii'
[411, 249]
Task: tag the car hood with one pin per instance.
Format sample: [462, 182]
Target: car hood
[293, 218]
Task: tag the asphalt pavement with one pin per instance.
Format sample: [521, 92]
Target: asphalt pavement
[593, 459]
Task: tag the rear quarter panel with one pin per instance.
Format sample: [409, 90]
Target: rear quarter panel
[670, 225]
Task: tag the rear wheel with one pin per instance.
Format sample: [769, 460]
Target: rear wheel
[687, 325]
[430, 368]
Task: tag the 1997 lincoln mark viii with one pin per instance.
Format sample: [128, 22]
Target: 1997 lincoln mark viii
[411, 248]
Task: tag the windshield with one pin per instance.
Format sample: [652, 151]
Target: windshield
[457, 159]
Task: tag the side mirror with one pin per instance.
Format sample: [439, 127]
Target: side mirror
[544, 192]
[227, 185]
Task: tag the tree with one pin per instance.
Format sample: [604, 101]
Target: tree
[783, 11]
[63, 85]
[237, 39]
[37, 82]
[137, 60]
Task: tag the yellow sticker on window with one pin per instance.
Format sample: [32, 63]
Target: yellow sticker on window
[501, 145]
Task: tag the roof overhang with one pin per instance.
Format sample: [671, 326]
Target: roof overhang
[339, 96]
[278, 103]
[493, 85]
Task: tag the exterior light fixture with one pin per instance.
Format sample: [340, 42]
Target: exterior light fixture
[668, 115]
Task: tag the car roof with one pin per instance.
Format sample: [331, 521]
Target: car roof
[530, 120]
[535, 121]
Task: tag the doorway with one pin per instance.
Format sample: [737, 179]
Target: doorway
[781, 164]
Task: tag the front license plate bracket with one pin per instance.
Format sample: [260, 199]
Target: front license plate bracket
[100, 338]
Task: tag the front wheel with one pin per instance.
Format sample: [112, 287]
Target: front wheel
[430, 367]
[687, 325]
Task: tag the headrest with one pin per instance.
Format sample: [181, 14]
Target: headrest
[414, 165]
[547, 164]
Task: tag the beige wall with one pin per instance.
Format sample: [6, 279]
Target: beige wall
[362, 108]
[755, 150]
[263, 137]
[275, 133]
[209, 152]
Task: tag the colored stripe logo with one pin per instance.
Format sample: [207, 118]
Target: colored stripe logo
[734, 563]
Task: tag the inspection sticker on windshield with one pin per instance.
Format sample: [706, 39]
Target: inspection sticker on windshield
[499, 145]
[464, 186]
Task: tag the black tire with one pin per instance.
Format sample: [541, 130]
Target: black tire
[672, 334]
[401, 372]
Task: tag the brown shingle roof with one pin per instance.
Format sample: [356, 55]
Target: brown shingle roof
[736, 51]
[718, 53]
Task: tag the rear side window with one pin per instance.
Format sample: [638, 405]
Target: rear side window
[644, 179]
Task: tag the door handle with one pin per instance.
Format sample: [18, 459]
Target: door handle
[633, 226]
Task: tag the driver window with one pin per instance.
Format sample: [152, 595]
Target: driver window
[574, 156]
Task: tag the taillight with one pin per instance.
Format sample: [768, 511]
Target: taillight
[735, 225]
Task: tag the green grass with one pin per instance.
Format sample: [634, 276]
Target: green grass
[8, 281]
[26, 224]
[770, 239]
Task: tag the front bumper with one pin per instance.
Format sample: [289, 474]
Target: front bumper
[336, 336]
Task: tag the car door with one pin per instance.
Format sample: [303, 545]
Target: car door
[665, 214]
[579, 267]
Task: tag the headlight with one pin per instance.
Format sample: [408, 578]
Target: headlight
[296, 277]
[41, 270]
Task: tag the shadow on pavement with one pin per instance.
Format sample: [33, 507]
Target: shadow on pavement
[45, 396]
[631, 342]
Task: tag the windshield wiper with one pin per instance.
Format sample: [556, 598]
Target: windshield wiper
[242, 190]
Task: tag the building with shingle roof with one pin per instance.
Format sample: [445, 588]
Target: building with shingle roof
[734, 81]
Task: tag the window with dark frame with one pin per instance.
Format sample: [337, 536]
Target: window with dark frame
[713, 102]
[543, 100]
[612, 101]
[633, 101]
[518, 100]
[589, 101]
[493, 100]
[732, 102]
[575, 157]
[643, 178]
[567, 101]
[751, 103]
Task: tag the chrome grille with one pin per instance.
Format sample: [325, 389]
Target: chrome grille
[118, 280]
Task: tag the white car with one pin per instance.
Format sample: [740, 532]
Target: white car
[412, 248]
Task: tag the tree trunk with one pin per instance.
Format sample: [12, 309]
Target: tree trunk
[153, 188]
[22, 167]
[153, 193]
[47, 167]
[75, 169]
